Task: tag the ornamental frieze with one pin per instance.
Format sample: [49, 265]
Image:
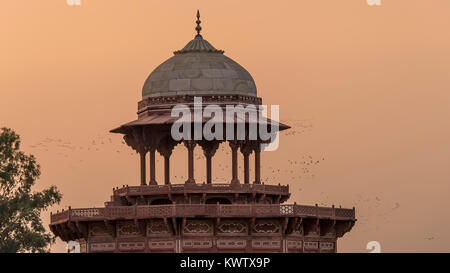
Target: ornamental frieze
[98, 229]
[157, 227]
[267, 226]
[232, 227]
[231, 243]
[327, 246]
[127, 228]
[266, 244]
[311, 245]
[102, 247]
[199, 244]
[291, 244]
[198, 227]
[131, 246]
[161, 245]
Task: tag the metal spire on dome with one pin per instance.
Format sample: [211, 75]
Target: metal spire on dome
[198, 28]
[198, 44]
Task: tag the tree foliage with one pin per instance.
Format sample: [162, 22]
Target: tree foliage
[21, 228]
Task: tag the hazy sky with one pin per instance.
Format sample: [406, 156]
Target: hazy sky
[365, 88]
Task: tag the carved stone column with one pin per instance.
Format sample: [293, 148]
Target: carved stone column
[190, 145]
[165, 148]
[136, 141]
[142, 153]
[246, 150]
[234, 145]
[152, 166]
[152, 140]
[257, 149]
[209, 150]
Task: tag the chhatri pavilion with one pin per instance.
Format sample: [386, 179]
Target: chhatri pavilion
[199, 216]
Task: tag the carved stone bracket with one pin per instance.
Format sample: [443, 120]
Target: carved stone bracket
[209, 147]
[165, 147]
[209, 150]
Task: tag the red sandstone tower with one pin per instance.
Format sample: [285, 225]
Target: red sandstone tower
[238, 216]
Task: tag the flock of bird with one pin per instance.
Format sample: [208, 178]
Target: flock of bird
[298, 170]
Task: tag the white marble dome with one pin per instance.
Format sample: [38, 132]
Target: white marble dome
[199, 69]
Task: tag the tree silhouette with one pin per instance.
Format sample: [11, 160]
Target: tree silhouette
[21, 228]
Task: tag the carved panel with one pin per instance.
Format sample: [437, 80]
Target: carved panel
[198, 227]
[155, 211]
[286, 209]
[98, 229]
[311, 245]
[157, 228]
[231, 244]
[86, 212]
[127, 229]
[232, 227]
[103, 247]
[291, 244]
[327, 246]
[266, 244]
[199, 244]
[132, 246]
[267, 227]
[161, 245]
[236, 210]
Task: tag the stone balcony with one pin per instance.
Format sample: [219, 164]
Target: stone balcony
[201, 210]
[202, 188]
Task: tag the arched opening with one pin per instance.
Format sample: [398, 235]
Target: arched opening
[161, 202]
[218, 200]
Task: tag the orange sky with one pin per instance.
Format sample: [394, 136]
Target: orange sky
[366, 90]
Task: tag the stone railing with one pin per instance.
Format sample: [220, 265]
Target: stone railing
[201, 210]
[204, 188]
[60, 216]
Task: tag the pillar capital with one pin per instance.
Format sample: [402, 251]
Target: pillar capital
[234, 144]
[209, 150]
[190, 144]
[246, 147]
[166, 145]
[209, 147]
[151, 138]
[135, 143]
[256, 146]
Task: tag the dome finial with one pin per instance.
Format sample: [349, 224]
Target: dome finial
[198, 28]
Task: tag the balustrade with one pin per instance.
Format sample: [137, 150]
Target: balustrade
[205, 210]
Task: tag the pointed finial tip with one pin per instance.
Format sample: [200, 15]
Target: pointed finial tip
[198, 28]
